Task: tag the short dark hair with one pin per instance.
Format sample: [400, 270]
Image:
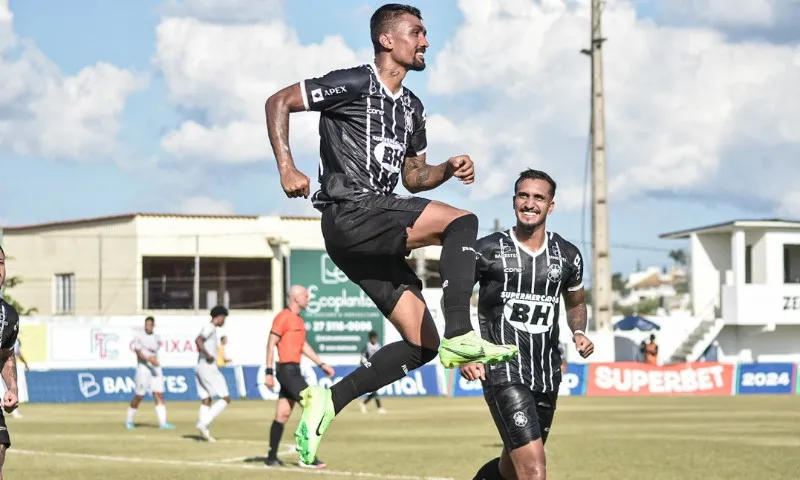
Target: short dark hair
[373, 334]
[149, 319]
[531, 174]
[219, 310]
[386, 16]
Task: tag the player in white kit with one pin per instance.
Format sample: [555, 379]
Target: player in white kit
[209, 378]
[149, 376]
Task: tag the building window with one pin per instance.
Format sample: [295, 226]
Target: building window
[748, 264]
[238, 283]
[168, 283]
[65, 293]
[791, 264]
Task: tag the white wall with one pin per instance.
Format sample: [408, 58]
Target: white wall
[751, 344]
[711, 264]
[758, 239]
[774, 254]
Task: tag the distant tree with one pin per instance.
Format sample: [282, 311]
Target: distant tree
[10, 283]
[679, 256]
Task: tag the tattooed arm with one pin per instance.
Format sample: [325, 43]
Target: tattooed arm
[576, 310]
[576, 319]
[418, 176]
[9, 373]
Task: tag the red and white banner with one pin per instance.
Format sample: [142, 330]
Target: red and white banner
[632, 378]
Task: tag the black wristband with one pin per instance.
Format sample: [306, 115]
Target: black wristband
[270, 371]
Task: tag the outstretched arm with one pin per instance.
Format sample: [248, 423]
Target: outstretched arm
[277, 109]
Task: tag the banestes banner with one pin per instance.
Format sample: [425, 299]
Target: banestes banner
[632, 378]
[760, 378]
[340, 315]
[111, 385]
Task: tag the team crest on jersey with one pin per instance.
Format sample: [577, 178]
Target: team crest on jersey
[409, 120]
[406, 100]
[520, 419]
[554, 273]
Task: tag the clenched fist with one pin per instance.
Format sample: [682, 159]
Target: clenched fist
[295, 183]
[462, 168]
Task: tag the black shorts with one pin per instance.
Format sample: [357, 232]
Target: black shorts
[291, 380]
[521, 415]
[366, 239]
[5, 439]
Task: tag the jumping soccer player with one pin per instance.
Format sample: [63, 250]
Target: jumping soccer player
[210, 381]
[149, 376]
[9, 330]
[370, 349]
[288, 334]
[373, 134]
[523, 272]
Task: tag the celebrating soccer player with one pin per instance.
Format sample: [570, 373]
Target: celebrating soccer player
[373, 134]
[523, 272]
[9, 330]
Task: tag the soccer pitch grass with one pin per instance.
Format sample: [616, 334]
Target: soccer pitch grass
[707, 438]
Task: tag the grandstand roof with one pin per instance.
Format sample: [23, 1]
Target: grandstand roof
[130, 216]
[727, 227]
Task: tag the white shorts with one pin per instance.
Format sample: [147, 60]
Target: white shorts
[149, 379]
[210, 381]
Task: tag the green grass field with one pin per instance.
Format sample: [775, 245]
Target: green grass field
[592, 438]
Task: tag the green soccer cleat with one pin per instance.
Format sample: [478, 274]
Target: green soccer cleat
[468, 348]
[317, 416]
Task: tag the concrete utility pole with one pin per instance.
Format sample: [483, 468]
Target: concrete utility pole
[601, 258]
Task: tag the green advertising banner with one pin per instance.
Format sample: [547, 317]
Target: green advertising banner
[340, 315]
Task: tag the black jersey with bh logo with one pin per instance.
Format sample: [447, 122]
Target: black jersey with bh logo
[366, 132]
[9, 325]
[519, 303]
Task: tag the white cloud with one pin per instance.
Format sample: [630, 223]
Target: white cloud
[233, 11]
[43, 112]
[226, 73]
[685, 108]
[201, 205]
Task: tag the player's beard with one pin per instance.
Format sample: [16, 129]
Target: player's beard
[416, 65]
[530, 227]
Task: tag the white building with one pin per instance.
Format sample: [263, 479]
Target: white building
[172, 264]
[745, 286]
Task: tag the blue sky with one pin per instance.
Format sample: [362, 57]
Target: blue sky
[675, 160]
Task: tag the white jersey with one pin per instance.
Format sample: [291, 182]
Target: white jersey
[209, 334]
[148, 345]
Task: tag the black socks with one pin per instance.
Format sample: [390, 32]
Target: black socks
[389, 364]
[457, 270]
[275, 434]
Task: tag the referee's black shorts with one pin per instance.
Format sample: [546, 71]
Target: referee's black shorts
[291, 379]
[366, 238]
[521, 415]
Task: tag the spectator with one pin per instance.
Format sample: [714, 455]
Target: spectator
[651, 351]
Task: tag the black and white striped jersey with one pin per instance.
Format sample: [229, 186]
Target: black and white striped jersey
[365, 131]
[518, 304]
